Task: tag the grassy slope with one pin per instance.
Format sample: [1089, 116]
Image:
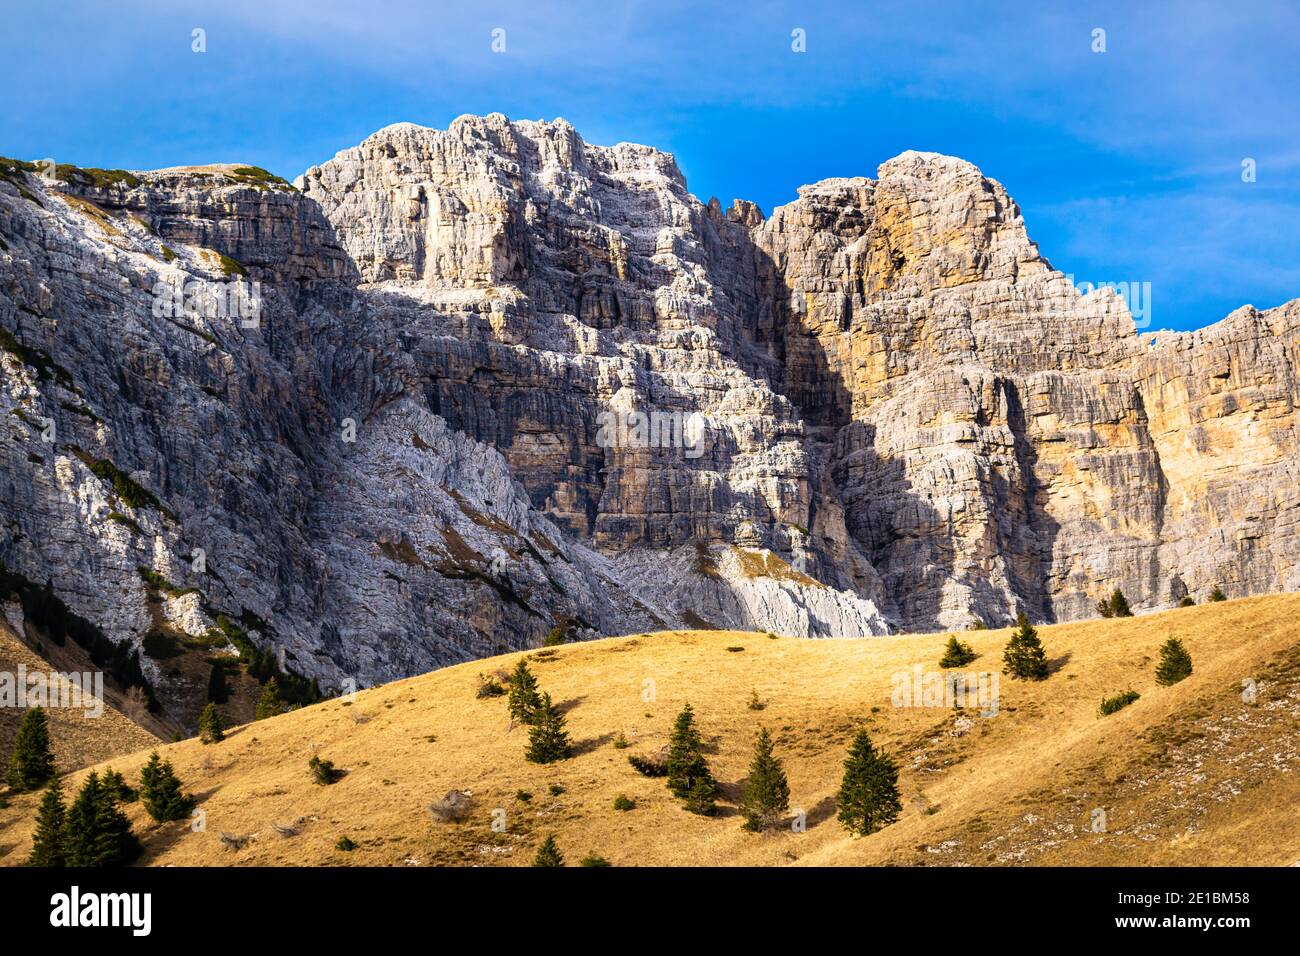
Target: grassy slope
[1187, 774]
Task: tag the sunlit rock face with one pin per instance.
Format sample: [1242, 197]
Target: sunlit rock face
[501, 381]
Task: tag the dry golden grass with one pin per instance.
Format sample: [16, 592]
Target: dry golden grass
[1188, 774]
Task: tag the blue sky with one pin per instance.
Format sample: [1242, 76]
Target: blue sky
[1126, 164]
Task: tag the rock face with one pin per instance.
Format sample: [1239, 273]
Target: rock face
[496, 381]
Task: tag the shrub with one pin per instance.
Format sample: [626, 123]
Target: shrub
[555, 789]
[1024, 656]
[868, 796]
[127, 488]
[488, 686]
[160, 791]
[323, 771]
[548, 854]
[1187, 601]
[754, 702]
[32, 764]
[1175, 663]
[523, 796]
[766, 796]
[956, 654]
[620, 742]
[1217, 594]
[623, 802]
[591, 859]
[231, 267]
[345, 844]
[1111, 704]
[257, 176]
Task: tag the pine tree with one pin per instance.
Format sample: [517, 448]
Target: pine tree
[548, 854]
[689, 778]
[270, 704]
[523, 700]
[1023, 655]
[96, 832]
[956, 654]
[115, 784]
[160, 791]
[47, 842]
[1217, 594]
[79, 826]
[1175, 663]
[548, 741]
[868, 796]
[218, 689]
[32, 764]
[702, 796]
[766, 796]
[210, 729]
[114, 844]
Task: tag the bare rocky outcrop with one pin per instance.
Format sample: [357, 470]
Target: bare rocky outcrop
[503, 381]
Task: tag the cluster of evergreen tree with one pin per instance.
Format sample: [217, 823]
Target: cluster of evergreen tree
[1024, 656]
[47, 612]
[263, 664]
[1115, 606]
[160, 791]
[92, 832]
[548, 740]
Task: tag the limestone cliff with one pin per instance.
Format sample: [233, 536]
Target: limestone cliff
[498, 381]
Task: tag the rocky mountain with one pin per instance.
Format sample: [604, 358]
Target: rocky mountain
[455, 390]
